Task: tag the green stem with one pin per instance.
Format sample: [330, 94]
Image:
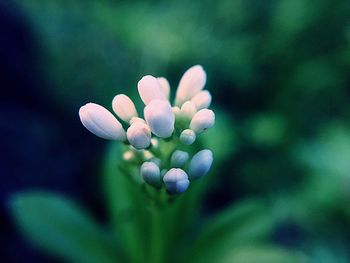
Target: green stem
[157, 248]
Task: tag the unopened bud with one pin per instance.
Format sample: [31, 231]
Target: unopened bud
[176, 181]
[160, 118]
[188, 109]
[202, 120]
[124, 107]
[151, 174]
[200, 164]
[190, 84]
[139, 135]
[178, 159]
[101, 122]
[164, 84]
[202, 100]
[187, 137]
[149, 89]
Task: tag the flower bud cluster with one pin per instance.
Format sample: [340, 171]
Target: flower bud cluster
[161, 124]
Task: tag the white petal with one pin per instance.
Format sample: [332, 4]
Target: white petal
[202, 120]
[124, 107]
[101, 122]
[200, 164]
[190, 84]
[202, 100]
[164, 84]
[139, 135]
[149, 89]
[160, 118]
[188, 109]
[187, 137]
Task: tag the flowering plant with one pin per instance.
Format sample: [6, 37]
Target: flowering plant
[160, 159]
[152, 189]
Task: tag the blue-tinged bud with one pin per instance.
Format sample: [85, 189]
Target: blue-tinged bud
[151, 174]
[178, 159]
[176, 181]
[187, 137]
[200, 164]
[160, 118]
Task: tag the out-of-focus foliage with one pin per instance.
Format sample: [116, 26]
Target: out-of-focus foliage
[279, 73]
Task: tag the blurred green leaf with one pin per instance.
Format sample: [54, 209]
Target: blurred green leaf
[261, 255]
[246, 223]
[60, 227]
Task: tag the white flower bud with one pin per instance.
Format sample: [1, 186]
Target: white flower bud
[136, 119]
[124, 107]
[202, 100]
[190, 84]
[151, 174]
[101, 122]
[187, 137]
[200, 164]
[202, 120]
[178, 158]
[149, 89]
[139, 135]
[176, 181]
[188, 109]
[164, 84]
[160, 118]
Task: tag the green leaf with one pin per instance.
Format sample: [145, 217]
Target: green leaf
[63, 229]
[246, 223]
[262, 255]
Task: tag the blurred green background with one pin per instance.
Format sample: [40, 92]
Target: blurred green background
[278, 71]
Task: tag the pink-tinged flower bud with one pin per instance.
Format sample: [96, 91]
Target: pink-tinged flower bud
[188, 109]
[160, 118]
[139, 135]
[164, 84]
[150, 89]
[178, 158]
[200, 164]
[136, 119]
[124, 107]
[101, 122]
[176, 181]
[151, 174]
[202, 100]
[202, 120]
[187, 137]
[190, 84]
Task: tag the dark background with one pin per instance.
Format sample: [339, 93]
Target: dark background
[278, 71]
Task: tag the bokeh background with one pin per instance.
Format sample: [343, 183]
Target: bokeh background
[278, 71]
